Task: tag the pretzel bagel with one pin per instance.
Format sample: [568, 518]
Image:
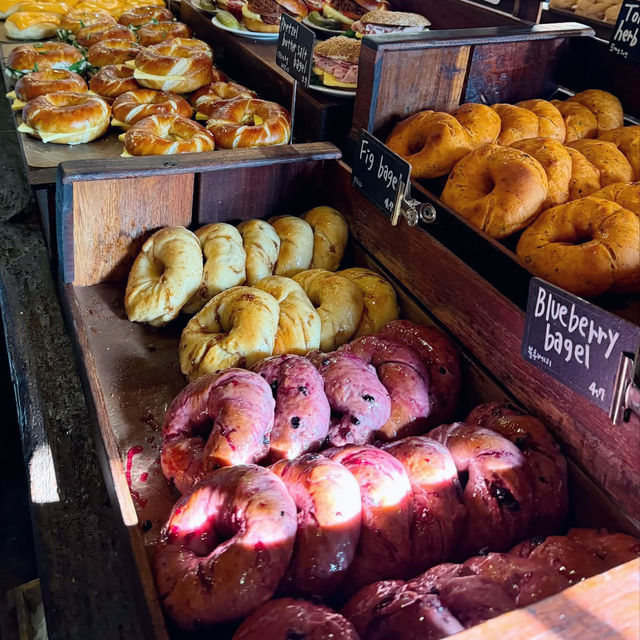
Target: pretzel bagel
[113, 80]
[249, 122]
[206, 99]
[88, 36]
[172, 68]
[66, 118]
[133, 106]
[157, 32]
[199, 45]
[498, 189]
[39, 83]
[587, 247]
[42, 56]
[627, 139]
[137, 16]
[167, 135]
[112, 51]
[81, 18]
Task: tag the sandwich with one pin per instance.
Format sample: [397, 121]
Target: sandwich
[264, 15]
[335, 61]
[379, 22]
[348, 11]
[32, 25]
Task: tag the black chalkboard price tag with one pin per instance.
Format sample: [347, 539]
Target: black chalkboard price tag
[576, 342]
[295, 49]
[625, 39]
[379, 172]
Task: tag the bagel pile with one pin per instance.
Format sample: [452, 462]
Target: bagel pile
[567, 172]
[604, 10]
[148, 76]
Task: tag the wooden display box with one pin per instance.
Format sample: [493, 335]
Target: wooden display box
[131, 371]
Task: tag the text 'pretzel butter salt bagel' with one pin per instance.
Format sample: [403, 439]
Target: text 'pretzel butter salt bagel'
[330, 235]
[66, 117]
[237, 327]
[296, 245]
[550, 121]
[339, 303]
[587, 247]
[219, 420]
[202, 581]
[133, 106]
[156, 32]
[42, 56]
[299, 324]
[224, 265]
[40, 83]
[172, 68]
[113, 80]
[249, 123]
[32, 25]
[262, 245]
[218, 92]
[164, 276]
[166, 135]
[88, 36]
[138, 16]
[112, 51]
[580, 122]
[627, 139]
[605, 106]
[497, 189]
[607, 158]
[625, 194]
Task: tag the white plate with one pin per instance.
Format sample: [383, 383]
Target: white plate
[245, 33]
[343, 93]
[316, 27]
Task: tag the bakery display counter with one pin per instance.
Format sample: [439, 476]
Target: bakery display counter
[104, 218]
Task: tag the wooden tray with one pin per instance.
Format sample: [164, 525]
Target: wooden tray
[104, 217]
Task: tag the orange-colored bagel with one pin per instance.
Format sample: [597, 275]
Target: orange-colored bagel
[39, 83]
[585, 178]
[110, 51]
[235, 124]
[138, 16]
[41, 56]
[557, 163]
[81, 117]
[156, 32]
[607, 158]
[206, 99]
[518, 123]
[80, 19]
[587, 247]
[165, 135]
[179, 69]
[193, 43]
[625, 194]
[133, 106]
[497, 189]
[431, 142]
[550, 120]
[627, 139]
[113, 80]
[604, 105]
[480, 121]
[88, 36]
[32, 25]
[580, 122]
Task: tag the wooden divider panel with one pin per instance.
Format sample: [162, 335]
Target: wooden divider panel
[111, 219]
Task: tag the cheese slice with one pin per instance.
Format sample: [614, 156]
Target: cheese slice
[257, 120]
[126, 154]
[329, 80]
[17, 104]
[27, 19]
[50, 137]
[201, 116]
[5, 5]
[59, 8]
[11, 95]
[142, 75]
[130, 63]
[117, 123]
[121, 137]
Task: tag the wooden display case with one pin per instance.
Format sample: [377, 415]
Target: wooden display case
[131, 371]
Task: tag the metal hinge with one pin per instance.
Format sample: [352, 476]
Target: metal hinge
[626, 395]
[411, 210]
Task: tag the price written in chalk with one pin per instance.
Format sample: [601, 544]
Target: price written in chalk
[294, 54]
[576, 342]
[625, 38]
[378, 172]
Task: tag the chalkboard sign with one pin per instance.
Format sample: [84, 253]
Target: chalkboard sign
[576, 342]
[379, 172]
[625, 39]
[295, 49]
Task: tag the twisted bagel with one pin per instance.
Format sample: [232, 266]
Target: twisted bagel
[262, 245]
[338, 302]
[138, 16]
[206, 99]
[498, 189]
[113, 80]
[585, 178]
[378, 298]
[164, 276]
[557, 163]
[66, 118]
[112, 51]
[237, 327]
[586, 247]
[604, 105]
[550, 121]
[627, 139]
[46, 55]
[133, 106]
[517, 123]
[194, 43]
[249, 122]
[166, 135]
[330, 235]
[607, 158]
[580, 122]
[40, 83]
[94, 33]
[298, 323]
[627, 195]
[296, 245]
[157, 32]
[224, 263]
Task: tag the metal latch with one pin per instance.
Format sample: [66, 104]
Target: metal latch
[626, 395]
[411, 210]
